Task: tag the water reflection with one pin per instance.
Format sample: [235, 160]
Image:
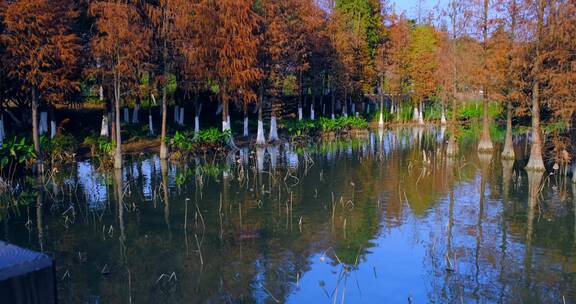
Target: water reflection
[383, 219]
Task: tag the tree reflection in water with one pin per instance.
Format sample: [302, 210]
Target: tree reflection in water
[379, 219]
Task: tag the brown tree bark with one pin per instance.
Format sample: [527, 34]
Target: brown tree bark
[485, 144]
[163, 146]
[536, 162]
[35, 137]
[508, 152]
[118, 153]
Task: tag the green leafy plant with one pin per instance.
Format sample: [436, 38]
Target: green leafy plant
[185, 142]
[100, 147]
[300, 128]
[16, 153]
[342, 124]
[60, 148]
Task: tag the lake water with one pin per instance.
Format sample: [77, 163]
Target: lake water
[387, 219]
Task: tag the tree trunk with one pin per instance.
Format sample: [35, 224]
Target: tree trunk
[52, 122]
[135, 118]
[163, 145]
[381, 119]
[225, 125]
[421, 114]
[198, 109]
[536, 162]
[118, 154]
[273, 137]
[485, 144]
[333, 104]
[43, 128]
[245, 133]
[312, 104]
[35, 137]
[126, 115]
[301, 90]
[112, 119]
[176, 113]
[345, 108]
[181, 117]
[508, 152]
[260, 137]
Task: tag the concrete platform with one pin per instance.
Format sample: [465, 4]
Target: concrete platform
[26, 276]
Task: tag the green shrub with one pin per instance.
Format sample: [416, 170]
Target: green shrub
[60, 148]
[342, 124]
[474, 109]
[213, 136]
[300, 127]
[16, 153]
[187, 140]
[100, 147]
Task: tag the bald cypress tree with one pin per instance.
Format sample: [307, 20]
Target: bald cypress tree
[233, 50]
[121, 43]
[41, 52]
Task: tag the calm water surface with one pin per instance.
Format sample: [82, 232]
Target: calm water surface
[388, 219]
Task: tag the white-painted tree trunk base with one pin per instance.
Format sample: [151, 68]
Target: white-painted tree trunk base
[104, 128]
[421, 118]
[135, 114]
[353, 108]
[416, 114]
[273, 130]
[127, 115]
[312, 115]
[332, 116]
[245, 133]
[176, 114]
[260, 137]
[443, 119]
[323, 109]
[381, 120]
[181, 118]
[150, 126]
[43, 123]
[101, 93]
[300, 113]
[225, 126]
[228, 120]
[345, 114]
[52, 128]
[196, 125]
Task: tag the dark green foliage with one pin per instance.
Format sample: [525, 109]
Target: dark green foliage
[100, 147]
[300, 127]
[342, 124]
[187, 140]
[61, 148]
[16, 153]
